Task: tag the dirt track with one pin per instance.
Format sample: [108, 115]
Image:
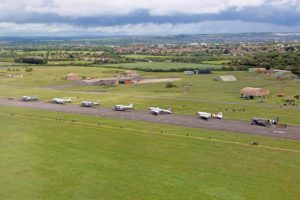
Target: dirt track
[291, 132]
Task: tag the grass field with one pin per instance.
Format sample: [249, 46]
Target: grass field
[217, 62]
[70, 62]
[193, 93]
[162, 65]
[53, 75]
[44, 158]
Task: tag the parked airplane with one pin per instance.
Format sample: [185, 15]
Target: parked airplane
[89, 104]
[123, 107]
[264, 122]
[61, 101]
[29, 98]
[206, 116]
[157, 110]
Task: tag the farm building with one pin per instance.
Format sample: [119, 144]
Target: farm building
[258, 70]
[73, 77]
[250, 92]
[109, 81]
[225, 78]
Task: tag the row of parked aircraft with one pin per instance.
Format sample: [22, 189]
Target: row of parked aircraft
[152, 110]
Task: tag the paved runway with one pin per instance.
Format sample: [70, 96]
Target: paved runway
[291, 132]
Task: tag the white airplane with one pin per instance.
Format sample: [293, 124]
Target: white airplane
[29, 98]
[206, 116]
[123, 107]
[89, 104]
[157, 110]
[61, 101]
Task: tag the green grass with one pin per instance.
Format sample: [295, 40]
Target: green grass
[43, 158]
[8, 63]
[216, 62]
[161, 65]
[70, 62]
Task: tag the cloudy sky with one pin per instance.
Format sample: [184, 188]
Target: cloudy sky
[146, 17]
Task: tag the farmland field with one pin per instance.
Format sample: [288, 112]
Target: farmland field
[97, 158]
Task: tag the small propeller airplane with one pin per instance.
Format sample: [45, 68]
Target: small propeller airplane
[157, 110]
[123, 107]
[29, 98]
[207, 116]
[89, 104]
[61, 101]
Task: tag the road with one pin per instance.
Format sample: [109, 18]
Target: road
[291, 132]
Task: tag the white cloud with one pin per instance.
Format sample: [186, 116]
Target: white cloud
[142, 29]
[80, 8]
[23, 11]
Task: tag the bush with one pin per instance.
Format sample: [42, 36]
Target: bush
[29, 69]
[170, 85]
[32, 60]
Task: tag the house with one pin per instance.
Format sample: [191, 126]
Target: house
[225, 78]
[251, 93]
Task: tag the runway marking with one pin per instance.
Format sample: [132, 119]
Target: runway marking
[150, 132]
